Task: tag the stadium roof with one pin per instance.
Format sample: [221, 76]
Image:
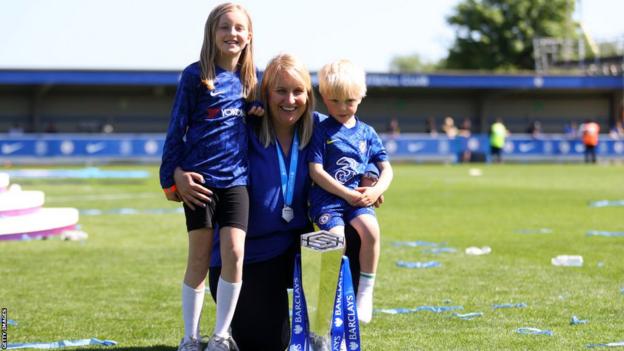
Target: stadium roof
[390, 80]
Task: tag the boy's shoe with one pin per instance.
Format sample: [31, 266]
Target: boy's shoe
[188, 344]
[218, 343]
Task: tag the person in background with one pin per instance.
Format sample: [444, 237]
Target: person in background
[498, 135]
[589, 132]
[571, 130]
[449, 128]
[535, 129]
[393, 127]
[464, 153]
[430, 127]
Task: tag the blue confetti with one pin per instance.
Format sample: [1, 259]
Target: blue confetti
[510, 305]
[439, 250]
[575, 321]
[534, 331]
[434, 309]
[416, 243]
[609, 344]
[604, 233]
[60, 344]
[606, 203]
[429, 264]
[468, 316]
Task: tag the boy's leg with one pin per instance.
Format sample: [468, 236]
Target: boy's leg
[200, 242]
[367, 227]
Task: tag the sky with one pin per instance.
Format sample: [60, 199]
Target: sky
[167, 35]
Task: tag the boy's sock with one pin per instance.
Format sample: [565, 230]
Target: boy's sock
[365, 297]
[227, 297]
[192, 303]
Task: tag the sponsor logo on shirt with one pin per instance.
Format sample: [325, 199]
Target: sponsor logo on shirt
[214, 93]
[346, 170]
[227, 112]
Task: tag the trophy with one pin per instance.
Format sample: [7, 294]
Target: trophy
[321, 257]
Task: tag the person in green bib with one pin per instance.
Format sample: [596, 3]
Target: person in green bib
[498, 134]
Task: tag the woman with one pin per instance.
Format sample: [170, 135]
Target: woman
[261, 320]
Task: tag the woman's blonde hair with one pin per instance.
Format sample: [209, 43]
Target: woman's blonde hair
[209, 50]
[288, 64]
[342, 80]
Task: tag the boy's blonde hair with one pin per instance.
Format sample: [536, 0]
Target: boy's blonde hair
[209, 49]
[286, 63]
[342, 80]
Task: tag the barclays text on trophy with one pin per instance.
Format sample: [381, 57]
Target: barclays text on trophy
[327, 317]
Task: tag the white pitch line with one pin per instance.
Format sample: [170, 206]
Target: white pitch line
[102, 197]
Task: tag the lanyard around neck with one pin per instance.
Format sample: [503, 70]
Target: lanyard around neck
[288, 179]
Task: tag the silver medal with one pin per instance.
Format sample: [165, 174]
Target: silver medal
[288, 214]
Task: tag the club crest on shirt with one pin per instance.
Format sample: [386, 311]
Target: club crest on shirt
[363, 146]
[324, 218]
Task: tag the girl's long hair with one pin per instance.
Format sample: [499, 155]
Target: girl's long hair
[286, 63]
[209, 49]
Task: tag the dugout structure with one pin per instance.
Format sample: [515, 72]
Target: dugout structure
[92, 101]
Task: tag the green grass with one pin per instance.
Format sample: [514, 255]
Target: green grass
[123, 283]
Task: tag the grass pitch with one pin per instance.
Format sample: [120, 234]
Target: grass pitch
[123, 283]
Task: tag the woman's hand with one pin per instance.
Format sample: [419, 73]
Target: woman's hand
[190, 190]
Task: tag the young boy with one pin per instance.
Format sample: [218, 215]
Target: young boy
[342, 146]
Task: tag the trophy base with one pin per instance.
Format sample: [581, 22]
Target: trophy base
[319, 343]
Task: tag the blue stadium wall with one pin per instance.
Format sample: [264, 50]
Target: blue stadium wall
[137, 105]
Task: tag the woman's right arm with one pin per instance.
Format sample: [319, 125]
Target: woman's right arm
[190, 190]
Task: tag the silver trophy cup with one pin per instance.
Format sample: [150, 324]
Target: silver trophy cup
[321, 255]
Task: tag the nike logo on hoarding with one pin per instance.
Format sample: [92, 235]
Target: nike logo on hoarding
[95, 147]
[525, 147]
[415, 147]
[8, 149]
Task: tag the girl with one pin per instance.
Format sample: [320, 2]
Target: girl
[207, 136]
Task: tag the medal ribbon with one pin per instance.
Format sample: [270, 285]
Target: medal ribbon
[345, 323]
[288, 179]
[299, 319]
